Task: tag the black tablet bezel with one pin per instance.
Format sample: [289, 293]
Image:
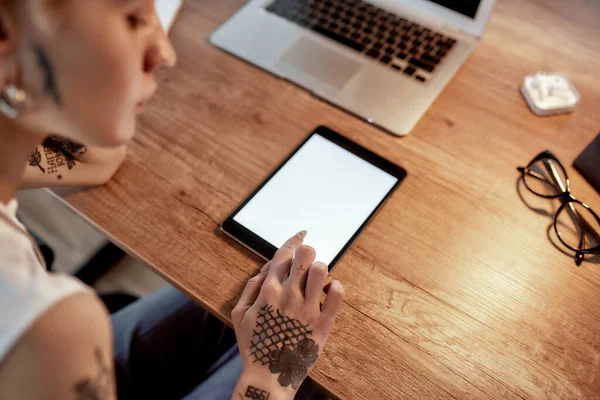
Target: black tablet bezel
[265, 249]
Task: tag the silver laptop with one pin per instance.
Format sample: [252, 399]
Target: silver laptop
[383, 60]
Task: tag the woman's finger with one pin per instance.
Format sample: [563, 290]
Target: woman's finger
[266, 267]
[282, 260]
[249, 295]
[317, 275]
[334, 300]
[253, 286]
[303, 260]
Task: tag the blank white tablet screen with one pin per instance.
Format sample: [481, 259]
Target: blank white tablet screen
[323, 189]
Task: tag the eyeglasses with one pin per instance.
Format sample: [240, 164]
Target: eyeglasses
[575, 224]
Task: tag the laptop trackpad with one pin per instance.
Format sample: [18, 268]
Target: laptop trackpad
[321, 68]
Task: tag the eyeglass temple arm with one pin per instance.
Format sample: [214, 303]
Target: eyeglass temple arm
[535, 174]
[554, 175]
[582, 225]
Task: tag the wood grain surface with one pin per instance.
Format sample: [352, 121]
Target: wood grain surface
[455, 290]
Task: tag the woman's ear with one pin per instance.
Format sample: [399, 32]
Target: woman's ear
[13, 100]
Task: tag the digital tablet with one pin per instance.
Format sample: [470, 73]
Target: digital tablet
[329, 186]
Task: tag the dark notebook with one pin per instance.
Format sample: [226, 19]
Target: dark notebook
[588, 163]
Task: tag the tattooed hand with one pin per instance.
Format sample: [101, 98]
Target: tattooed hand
[280, 324]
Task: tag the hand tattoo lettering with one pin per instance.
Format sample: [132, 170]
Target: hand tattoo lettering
[285, 345]
[98, 388]
[50, 86]
[256, 393]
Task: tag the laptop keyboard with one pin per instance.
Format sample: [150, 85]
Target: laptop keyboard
[400, 44]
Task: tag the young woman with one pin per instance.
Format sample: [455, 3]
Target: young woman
[73, 76]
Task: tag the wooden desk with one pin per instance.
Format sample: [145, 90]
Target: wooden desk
[454, 290]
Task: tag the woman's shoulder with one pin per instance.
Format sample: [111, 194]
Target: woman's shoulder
[15, 248]
[27, 291]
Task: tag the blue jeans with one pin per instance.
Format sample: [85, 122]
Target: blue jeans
[167, 347]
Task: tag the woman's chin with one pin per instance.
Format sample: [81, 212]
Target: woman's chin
[114, 139]
[122, 135]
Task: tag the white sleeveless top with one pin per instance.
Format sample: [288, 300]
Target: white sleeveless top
[26, 289]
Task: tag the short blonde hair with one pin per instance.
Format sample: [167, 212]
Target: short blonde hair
[10, 4]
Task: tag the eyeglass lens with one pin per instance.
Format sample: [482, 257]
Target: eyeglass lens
[577, 227]
[546, 177]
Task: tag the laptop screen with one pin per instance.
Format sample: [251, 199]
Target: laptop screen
[465, 7]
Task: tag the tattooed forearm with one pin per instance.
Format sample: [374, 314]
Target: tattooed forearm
[99, 387]
[285, 345]
[256, 393]
[58, 153]
[50, 86]
[69, 150]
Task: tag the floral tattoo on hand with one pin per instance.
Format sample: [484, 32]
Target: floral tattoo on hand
[285, 345]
